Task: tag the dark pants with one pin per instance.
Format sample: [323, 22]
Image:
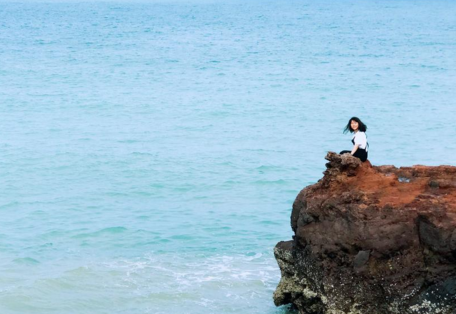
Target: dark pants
[360, 153]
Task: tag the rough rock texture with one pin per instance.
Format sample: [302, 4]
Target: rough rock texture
[372, 240]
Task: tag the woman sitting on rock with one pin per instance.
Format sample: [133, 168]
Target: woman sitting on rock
[359, 140]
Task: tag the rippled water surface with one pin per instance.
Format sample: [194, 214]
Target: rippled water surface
[151, 152]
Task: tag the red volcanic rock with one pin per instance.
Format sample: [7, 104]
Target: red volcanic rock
[372, 240]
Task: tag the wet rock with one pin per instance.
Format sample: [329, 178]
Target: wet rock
[361, 259]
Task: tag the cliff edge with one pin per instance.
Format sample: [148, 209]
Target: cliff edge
[372, 240]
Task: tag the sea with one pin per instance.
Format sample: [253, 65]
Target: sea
[151, 151]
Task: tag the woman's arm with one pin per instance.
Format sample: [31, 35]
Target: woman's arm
[355, 148]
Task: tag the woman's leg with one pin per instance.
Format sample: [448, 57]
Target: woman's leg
[361, 154]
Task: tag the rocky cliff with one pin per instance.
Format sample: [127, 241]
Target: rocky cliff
[372, 240]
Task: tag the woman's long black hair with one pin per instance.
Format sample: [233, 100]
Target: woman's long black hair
[361, 126]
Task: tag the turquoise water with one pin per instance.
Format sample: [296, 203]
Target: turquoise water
[151, 152]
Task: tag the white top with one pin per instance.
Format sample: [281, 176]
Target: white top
[361, 139]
